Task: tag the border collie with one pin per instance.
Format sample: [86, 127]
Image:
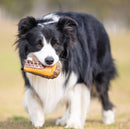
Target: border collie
[81, 44]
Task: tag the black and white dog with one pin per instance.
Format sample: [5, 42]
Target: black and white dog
[81, 44]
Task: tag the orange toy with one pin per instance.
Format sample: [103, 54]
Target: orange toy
[37, 68]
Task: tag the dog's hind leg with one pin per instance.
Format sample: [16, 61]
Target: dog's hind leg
[108, 112]
[34, 108]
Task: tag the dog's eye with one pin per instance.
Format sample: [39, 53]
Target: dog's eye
[39, 44]
[54, 43]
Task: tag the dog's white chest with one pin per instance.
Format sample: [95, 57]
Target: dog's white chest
[50, 91]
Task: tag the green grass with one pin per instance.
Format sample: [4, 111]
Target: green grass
[18, 118]
[12, 113]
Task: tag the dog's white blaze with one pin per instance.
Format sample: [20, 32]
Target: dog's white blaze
[46, 51]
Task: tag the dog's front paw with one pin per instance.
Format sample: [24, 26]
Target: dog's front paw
[38, 120]
[73, 123]
[38, 124]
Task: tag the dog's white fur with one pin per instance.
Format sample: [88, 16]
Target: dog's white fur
[46, 94]
[108, 116]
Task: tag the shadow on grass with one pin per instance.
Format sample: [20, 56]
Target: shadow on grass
[12, 124]
[94, 121]
[19, 122]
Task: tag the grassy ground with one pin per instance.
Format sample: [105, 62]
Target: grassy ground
[12, 114]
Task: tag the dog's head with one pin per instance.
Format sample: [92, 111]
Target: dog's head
[47, 43]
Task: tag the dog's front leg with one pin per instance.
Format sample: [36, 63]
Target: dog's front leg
[79, 99]
[34, 108]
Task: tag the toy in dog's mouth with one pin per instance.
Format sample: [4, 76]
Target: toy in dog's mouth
[37, 68]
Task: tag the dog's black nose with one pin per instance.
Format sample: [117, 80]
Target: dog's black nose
[49, 60]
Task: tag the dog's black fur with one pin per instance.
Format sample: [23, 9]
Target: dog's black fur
[82, 45]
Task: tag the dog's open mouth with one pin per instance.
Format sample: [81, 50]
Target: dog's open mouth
[37, 68]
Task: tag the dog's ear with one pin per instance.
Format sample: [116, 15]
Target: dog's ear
[66, 23]
[67, 26]
[26, 24]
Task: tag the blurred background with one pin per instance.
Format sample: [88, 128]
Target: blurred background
[114, 14]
